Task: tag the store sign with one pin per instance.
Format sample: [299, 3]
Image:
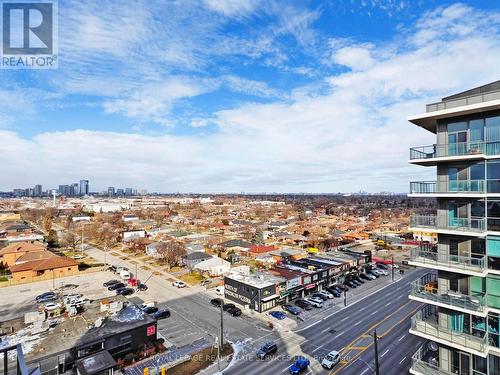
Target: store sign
[151, 330]
[237, 296]
[293, 283]
[310, 286]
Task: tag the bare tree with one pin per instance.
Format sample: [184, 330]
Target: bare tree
[171, 252]
[70, 240]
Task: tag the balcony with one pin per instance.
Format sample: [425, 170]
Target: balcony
[472, 265]
[474, 224]
[424, 364]
[450, 187]
[428, 292]
[425, 155]
[429, 328]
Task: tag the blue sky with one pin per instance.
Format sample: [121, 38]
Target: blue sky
[241, 95]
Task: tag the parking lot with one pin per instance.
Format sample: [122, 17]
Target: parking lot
[17, 300]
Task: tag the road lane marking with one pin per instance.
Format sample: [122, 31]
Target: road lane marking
[373, 313]
[344, 318]
[384, 353]
[366, 369]
[402, 337]
[400, 362]
[387, 304]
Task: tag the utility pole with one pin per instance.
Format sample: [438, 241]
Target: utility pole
[82, 238]
[392, 268]
[375, 346]
[345, 297]
[221, 342]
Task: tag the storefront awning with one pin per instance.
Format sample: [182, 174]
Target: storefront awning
[270, 298]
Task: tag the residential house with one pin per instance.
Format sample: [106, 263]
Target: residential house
[214, 267]
[55, 266]
[11, 253]
[192, 259]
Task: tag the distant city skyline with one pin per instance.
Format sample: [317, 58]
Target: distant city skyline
[237, 95]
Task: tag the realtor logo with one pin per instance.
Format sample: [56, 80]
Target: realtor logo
[29, 31]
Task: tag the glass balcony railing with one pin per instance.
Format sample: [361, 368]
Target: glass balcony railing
[476, 263]
[455, 149]
[430, 187]
[422, 363]
[431, 328]
[430, 292]
[474, 224]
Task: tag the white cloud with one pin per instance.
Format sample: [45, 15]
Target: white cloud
[233, 8]
[355, 57]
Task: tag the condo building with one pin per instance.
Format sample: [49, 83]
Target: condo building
[461, 292]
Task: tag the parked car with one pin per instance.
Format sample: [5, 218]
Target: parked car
[111, 282]
[350, 284]
[382, 266]
[335, 292]
[217, 302]
[267, 349]
[68, 286]
[331, 360]
[354, 281]
[150, 309]
[179, 284]
[291, 309]
[299, 366]
[280, 315]
[116, 286]
[113, 268]
[373, 273]
[303, 304]
[52, 306]
[326, 293]
[320, 296]
[220, 290]
[234, 311]
[228, 306]
[314, 302]
[161, 314]
[142, 287]
[44, 296]
[381, 272]
[342, 287]
[364, 276]
[125, 275]
[204, 282]
[359, 279]
[125, 291]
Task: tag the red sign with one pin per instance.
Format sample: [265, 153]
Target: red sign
[310, 286]
[151, 330]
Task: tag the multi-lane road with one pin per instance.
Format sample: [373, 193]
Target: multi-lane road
[349, 331]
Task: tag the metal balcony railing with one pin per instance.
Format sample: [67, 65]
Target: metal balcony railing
[428, 292]
[429, 328]
[473, 263]
[455, 149]
[473, 224]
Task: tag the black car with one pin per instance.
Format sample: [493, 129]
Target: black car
[142, 287]
[125, 291]
[320, 296]
[336, 293]
[150, 309]
[228, 306]
[354, 281]
[110, 282]
[374, 274]
[350, 284]
[217, 302]
[113, 268]
[303, 304]
[342, 287]
[363, 276]
[382, 266]
[291, 309]
[359, 279]
[116, 286]
[161, 314]
[268, 349]
[43, 296]
[234, 311]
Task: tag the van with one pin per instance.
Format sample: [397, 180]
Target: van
[125, 275]
[220, 290]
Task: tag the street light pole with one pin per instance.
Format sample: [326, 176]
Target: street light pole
[345, 297]
[392, 268]
[375, 347]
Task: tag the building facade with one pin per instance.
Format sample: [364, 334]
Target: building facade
[461, 292]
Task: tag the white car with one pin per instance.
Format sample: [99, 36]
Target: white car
[179, 284]
[380, 271]
[326, 294]
[316, 302]
[52, 306]
[331, 360]
[371, 277]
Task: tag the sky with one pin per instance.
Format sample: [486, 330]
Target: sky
[241, 96]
